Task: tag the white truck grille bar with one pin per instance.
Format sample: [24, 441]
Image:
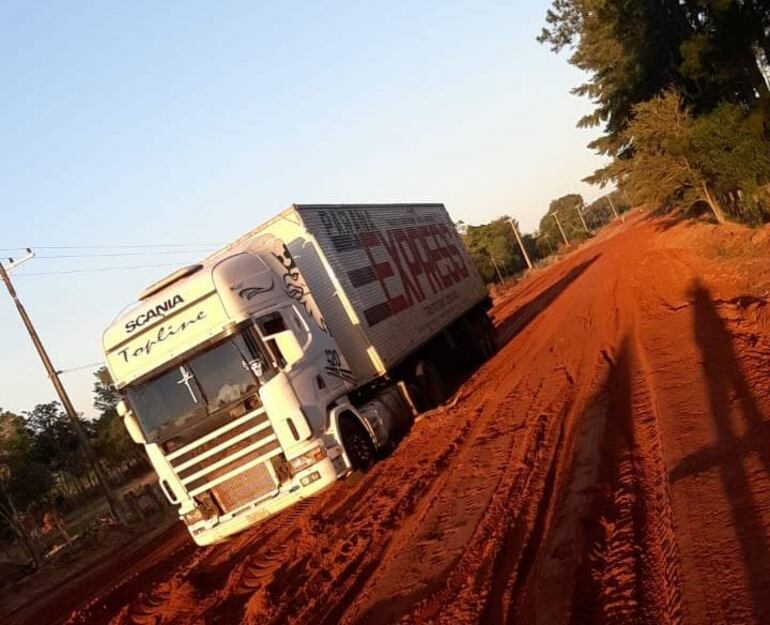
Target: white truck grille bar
[222, 478]
[228, 459]
[228, 443]
[214, 434]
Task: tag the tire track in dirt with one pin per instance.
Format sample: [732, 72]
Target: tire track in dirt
[717, 434]
[151, 568]
[630, 571]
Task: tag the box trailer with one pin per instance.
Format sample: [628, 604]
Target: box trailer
[278, 364]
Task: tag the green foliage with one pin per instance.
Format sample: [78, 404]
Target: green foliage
[41, 459]
[626, 47]
[494, 243]
[112, 442]
[659, 171]
[727, 146]
[632, 51]
[565, 208]
[23, 479]
[599, 212]
[55, 442]
[105, 395]
[713, 55]
[679, 159]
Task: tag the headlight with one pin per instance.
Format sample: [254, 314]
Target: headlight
[309, 479]
[205, 508]
[193, 517]
[307, 459]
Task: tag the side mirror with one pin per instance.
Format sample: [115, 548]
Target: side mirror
[289, 346]
[132, 425]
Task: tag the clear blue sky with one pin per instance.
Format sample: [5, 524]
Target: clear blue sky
[189, 123]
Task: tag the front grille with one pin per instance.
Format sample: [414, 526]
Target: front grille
[252, 484]
[225, 470]
[229, 435]
[229, 458]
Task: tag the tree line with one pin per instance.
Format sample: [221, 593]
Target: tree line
[496, 253]
[681, 94]
[43, 466]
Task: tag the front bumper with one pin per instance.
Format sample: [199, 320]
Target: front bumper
[218, 529]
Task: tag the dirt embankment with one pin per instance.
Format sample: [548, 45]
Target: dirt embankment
[611, 464]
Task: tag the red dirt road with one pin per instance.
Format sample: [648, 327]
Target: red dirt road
[611, 464]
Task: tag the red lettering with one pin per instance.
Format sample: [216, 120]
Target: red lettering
[436, 257]
[449, 250]
[439, 254]
[430, 251]
[412, 259]
[429, 269]
[383, 270]
[391, 246]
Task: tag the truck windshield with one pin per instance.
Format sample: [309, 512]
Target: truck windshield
[205, 384]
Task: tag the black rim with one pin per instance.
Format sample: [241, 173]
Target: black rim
[358, 446]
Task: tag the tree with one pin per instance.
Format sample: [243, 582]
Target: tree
[22, 481]
[565, 208]
[708, 51]
[599, 212]
[728, 148]
[112, 443]
[494, 244]
[660, 171]
[55, 442]
[675, 158]
[106, 397]
[628, 48]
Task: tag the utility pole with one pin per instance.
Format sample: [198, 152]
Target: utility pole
[561, 230]
[497, 269]
[521, 244]
[612, 206]
[582, 221]
[77, 425]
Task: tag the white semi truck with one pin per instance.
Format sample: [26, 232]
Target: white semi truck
[275, 366]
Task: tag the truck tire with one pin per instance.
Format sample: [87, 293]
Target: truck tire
[430, 383]
[476, 338]
[487, 345]
[357, 443]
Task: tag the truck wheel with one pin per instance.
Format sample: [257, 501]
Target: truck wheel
[357, 443]
[486, 338]
[430, 383]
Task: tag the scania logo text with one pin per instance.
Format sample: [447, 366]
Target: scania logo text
[161, 310]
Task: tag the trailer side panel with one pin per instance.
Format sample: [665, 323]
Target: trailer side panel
[402, 267]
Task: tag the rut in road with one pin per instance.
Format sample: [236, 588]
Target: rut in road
[553, 491]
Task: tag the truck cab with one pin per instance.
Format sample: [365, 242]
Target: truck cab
[231, 380]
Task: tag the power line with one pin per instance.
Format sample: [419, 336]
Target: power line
[99, 247]
[90, 365]
[113, 255]
[97, 269]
